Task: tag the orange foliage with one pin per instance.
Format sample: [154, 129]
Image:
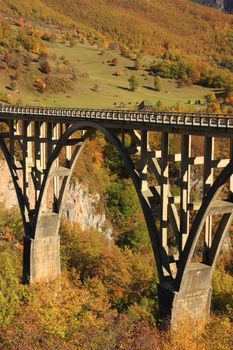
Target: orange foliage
[150, 25]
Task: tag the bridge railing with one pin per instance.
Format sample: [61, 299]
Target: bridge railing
[167, 118]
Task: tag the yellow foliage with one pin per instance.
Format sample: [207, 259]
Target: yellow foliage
[150, 25]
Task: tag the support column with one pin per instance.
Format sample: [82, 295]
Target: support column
[208, 181]
[164, 191]
[144, 150]
[231, 159]
[41, 259]
[27, 162]
[56, 164]
[185, 190]
[191, 302]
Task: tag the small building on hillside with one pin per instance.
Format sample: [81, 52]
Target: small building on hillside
[145, 105]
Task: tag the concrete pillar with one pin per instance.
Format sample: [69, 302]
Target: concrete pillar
[41, 259]
[191, 302]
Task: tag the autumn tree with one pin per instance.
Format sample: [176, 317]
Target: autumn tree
[138, 61]
[27, 60]
[157, 83]
[133, 83]
[45, 67]
[13, 85]
[114, 61]
[209, 98]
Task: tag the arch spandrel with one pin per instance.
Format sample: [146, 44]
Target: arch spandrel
[41, 218]
[42, 138]
[200, 219]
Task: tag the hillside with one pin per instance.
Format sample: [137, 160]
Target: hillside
[84, 53]
[87, 54]
[143, 25]
[150, 25]
[223, 5]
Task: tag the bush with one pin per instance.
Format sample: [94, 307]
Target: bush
[157, 84]
[115, 62]
[13, 85]
[54, 84]
[133, 83]
[9, 287]
[210, 97]
[40, 85]
[45, 67]
[51, 37]
[27, 60]
[223, 292]
[96, 88]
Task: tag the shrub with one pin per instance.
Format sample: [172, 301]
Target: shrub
[115, 62]
[27, 60]
[96, 88]
[51, 37]
[133, 83]
[157, 83]
[54, 84]
[40, 85]
[45, 67]
[210, 97]
[13, 85]
[9, 287]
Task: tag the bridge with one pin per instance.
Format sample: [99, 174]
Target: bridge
[42, 145]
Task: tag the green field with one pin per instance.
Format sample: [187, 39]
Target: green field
[97, 85]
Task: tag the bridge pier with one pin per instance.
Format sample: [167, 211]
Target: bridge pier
[41, 259]
[41, 146]
[191, 302]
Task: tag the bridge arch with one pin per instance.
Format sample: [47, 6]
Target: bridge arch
[198, 224]
[42, 218]
[14, 177]
[33, 127]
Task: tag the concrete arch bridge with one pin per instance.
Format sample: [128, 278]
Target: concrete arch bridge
[41, 147]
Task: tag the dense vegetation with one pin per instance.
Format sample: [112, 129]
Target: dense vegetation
[39, 47]
[150, 25]
[108, 295]
[106, 298]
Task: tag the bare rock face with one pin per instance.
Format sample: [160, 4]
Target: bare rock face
[222, 5]
[80, 206]
[7, 192]
[229, 6]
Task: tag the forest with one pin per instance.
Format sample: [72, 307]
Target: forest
[106, 297]
[107, 294]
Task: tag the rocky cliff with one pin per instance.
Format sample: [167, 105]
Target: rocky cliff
[222, 5]
[80, 206]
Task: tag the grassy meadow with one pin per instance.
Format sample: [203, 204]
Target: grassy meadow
[98, 83]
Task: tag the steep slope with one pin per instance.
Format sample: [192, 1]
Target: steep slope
[33, 10]
[55, 52]
[153, 25]
[39, 12]
[150, 26]
[223, 5]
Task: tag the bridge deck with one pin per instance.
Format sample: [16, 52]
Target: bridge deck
[220, 125]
